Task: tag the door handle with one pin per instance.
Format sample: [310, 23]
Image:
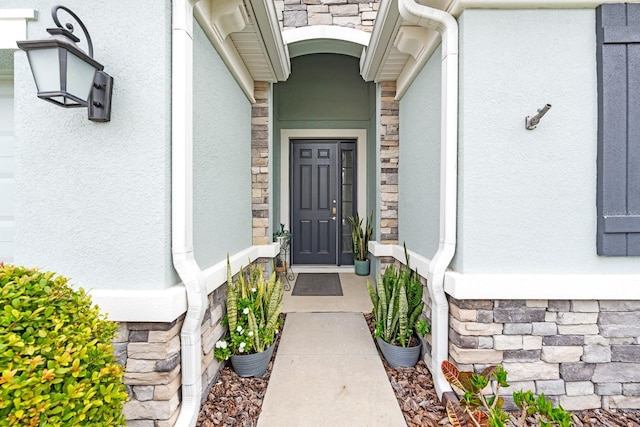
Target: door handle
[333, 218]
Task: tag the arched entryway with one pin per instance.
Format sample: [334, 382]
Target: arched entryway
[324, 124]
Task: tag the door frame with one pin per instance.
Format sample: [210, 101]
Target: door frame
[360, 135]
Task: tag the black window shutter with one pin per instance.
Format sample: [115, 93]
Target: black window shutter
[618, 192]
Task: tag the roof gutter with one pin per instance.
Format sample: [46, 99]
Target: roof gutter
[182, 208]
[447, 26]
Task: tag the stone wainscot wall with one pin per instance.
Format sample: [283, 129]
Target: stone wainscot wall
[151, 354]
[581, 354]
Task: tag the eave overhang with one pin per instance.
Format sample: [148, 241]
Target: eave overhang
[398, 51]
[247, 37]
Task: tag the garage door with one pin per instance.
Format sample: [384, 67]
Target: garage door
[7, 182]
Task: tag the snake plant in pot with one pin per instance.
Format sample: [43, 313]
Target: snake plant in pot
[360, 236]
[253, 316]
[397, 307]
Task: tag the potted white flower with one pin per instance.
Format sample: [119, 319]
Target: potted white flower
[253, 316]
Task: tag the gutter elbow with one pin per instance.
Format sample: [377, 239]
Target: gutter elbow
[425, 16]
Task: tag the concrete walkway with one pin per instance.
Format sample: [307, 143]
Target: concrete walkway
[327, 372]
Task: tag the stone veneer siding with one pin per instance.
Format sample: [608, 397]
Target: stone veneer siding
[151, 354]
[581, 354]
[389, 153]
[260, 164]
[358, 14]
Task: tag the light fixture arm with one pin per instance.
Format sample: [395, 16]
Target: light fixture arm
[68, 31]
[530, 123]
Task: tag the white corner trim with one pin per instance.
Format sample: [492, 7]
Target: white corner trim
[166, 305]
[226, 49]
[13, 26]
[360, 135]
[523, 286]
[315, 32]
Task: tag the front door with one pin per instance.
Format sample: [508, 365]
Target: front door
[322, 196]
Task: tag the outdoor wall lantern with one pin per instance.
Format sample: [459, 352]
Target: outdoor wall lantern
[65, 74]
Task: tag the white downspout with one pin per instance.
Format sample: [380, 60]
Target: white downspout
[182, 208]
[447, 26]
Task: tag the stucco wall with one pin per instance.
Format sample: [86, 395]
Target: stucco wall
[222, 158]
[93, 199]
[419, 171]
[528, 198]
[324, 88]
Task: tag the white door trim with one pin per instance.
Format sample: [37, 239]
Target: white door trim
[360, 135]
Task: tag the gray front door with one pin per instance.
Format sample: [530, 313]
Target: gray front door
[321, 198]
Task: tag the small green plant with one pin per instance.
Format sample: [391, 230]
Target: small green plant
[57, 366]
[253, 313]
[479, 410]
[541, 408]
[360, 236]
[281, 233]
[397, 305]
[422, 327]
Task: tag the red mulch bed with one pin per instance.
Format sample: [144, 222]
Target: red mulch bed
[236, 401]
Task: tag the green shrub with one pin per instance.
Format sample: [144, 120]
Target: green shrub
[56, 358]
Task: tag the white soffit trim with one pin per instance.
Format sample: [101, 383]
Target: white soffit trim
[523, 286]
[385, 28]
[204, 14]
[13, 26]
[276, 50]
[167, 305]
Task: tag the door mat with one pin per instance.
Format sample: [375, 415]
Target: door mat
[317, 284]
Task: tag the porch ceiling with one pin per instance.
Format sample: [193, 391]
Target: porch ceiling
[247, 36]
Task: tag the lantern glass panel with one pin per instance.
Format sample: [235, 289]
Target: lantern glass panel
[80, 75]
[45, 66]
